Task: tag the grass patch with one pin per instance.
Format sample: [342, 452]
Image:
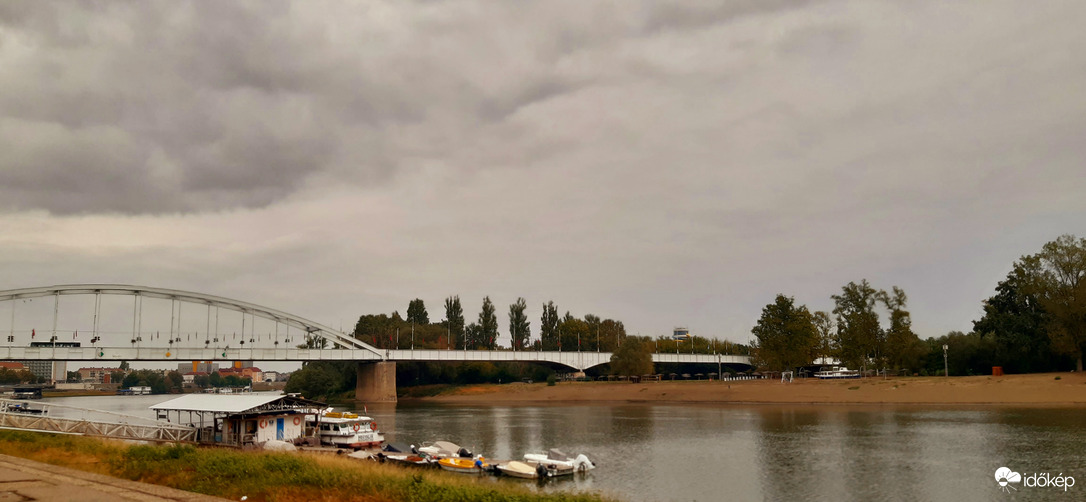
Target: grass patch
[263, 476]
[854, 388]
[1057, 378]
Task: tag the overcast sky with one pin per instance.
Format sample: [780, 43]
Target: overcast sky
[661, 163]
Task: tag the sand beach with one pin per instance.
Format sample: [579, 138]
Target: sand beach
[1034, 389]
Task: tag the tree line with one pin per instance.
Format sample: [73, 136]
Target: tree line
[567, 333]
[392, 331]
[1035, 322]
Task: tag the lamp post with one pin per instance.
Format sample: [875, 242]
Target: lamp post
[946, 371]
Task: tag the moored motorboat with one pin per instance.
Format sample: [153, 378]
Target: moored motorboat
[534, 470]
[444, 449]
[347, 430]
[463, 465]
[518, 469]
[403, 454]
[560, 461]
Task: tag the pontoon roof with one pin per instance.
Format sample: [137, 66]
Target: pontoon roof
[231, 403]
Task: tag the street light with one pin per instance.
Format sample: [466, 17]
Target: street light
[946, 372]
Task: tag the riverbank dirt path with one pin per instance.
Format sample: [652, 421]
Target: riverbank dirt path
[22, 479]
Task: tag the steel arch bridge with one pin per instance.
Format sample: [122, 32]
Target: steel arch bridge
[345, 346]
[339, 347]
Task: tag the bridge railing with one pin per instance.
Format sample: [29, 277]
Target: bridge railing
[56, 418]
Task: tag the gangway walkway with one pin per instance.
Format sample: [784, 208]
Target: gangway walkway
[62, 419]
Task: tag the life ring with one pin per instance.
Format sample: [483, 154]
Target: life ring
[373, 426]
[297, 420]
[263, 423]
[356, 427]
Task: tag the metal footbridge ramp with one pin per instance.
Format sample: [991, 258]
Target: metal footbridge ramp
[61, 419]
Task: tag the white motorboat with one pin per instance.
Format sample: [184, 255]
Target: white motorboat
[534, 470]
[444, 449]
[836, 372]
[559, 460]
[347, 430]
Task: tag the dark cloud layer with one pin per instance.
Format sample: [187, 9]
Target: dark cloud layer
[151, 107]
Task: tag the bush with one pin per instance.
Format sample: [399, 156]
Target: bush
[551, 380]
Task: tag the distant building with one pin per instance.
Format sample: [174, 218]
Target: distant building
[206, 367]
[251, 373]
[271, 376]
[51, 371]
[190, 377]
[97, 375]
[13, 366]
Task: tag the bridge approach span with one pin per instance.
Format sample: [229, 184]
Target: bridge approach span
[573, 360]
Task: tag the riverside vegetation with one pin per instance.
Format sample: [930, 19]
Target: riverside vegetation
[263, 476]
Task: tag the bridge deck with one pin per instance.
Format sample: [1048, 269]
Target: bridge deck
[576, 360]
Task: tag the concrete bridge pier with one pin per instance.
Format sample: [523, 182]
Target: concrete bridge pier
[376, 382]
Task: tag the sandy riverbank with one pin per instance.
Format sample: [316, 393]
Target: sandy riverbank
[1037, 389]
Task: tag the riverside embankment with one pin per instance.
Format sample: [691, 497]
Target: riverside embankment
[1033, 389]
[259, 476]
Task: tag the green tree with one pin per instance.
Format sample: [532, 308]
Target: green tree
[1058, 278]
[416, 312]
[130, 380]
[827, 339]
[488, 326]
[473, 333]
[74, 376]
[572, 333]
[612, 333]
[454, 319]
[786, 335]
[1016, 321]
[201, 381]
[215, 379]
[903, 349]
[124, 366]
[315, 381]
[593, 333]
[633, 358]
[548, 327]
[859, 336]
[175, 380]
[967, 354]
[519, 327]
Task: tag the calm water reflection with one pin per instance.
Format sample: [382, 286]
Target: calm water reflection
[838, 453]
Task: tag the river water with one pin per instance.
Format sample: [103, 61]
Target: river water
[758, 452]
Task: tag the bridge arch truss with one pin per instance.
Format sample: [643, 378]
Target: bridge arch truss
[337, 338]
